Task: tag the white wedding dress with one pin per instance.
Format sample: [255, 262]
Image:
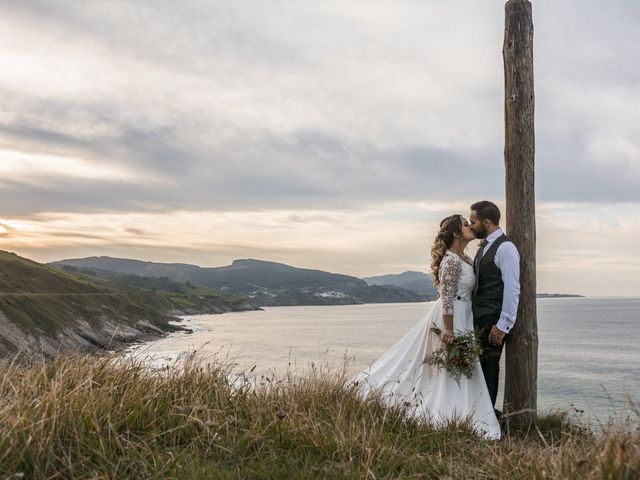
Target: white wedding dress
[430, 392]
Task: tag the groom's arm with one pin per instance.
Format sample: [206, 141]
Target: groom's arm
[508, 261]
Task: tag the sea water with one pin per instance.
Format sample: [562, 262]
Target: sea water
[588, 362]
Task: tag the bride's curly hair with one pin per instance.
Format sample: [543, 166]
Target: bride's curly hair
[448, 227]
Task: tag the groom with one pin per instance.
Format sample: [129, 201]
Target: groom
[497, 289]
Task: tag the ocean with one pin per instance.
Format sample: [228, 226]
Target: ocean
[588, 362]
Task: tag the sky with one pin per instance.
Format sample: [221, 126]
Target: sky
[332, 135]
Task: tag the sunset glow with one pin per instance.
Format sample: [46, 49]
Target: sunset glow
[326, 136]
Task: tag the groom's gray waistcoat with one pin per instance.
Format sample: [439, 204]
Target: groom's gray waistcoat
[487, 295]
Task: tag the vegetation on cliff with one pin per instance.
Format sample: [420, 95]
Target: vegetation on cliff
[43, 309]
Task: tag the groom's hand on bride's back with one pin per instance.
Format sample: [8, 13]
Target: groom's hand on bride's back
[496, 336]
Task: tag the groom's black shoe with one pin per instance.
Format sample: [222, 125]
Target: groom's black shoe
[498, 413]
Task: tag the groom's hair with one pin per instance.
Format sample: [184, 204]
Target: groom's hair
[487, 210]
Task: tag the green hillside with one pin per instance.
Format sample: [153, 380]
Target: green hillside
[20, 275]
[49, 310]
[162, 292]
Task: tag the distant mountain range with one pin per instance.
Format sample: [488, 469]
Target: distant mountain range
[411, 280]
[264, 283]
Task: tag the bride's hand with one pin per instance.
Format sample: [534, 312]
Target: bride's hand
[447, 337]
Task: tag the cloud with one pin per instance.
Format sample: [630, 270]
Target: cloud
[326, 105]
[229, 108]
[240, 108]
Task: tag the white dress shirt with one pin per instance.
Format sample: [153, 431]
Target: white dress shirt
[507, 259]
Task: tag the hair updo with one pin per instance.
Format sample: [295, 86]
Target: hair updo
[448, 227]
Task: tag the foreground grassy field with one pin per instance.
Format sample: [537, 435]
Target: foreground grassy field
[97, 417]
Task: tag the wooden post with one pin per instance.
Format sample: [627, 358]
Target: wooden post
[521, 376]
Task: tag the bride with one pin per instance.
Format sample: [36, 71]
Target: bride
[400, 373]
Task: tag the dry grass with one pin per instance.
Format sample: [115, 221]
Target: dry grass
[90, 416]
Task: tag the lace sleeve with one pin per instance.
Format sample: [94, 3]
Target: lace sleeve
[450, 270]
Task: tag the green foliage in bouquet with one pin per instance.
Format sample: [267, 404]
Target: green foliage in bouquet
[459, 357]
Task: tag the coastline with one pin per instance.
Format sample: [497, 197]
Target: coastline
[100, 333]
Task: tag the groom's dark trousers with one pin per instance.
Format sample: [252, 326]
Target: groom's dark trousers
[490, 359]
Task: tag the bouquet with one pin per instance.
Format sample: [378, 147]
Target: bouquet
[459, 357]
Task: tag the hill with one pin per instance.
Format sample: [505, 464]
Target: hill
[49, 310]
[264, 282]
[21, 276]
[173, 297]
[177, 272]
[423, 283]
[410, 280]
